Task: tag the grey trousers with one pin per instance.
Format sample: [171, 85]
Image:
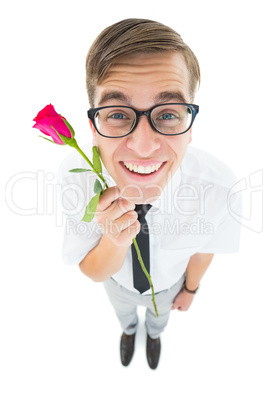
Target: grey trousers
[125, 304]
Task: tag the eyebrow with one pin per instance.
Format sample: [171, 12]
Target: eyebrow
[170, 96]
[114, 95]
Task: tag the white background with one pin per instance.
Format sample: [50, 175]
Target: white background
[59, 334]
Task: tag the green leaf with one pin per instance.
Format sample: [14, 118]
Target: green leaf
[97, 187]
[44, 138]
[91, 208]
[80, 170]
[96, 160]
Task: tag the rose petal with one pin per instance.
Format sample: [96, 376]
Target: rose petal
[49, 132]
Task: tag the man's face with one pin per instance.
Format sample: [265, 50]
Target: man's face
[143, 81]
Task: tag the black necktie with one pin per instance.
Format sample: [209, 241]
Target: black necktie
[139, 279]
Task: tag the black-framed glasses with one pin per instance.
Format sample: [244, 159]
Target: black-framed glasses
[167, 119]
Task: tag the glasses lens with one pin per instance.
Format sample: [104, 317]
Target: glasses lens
[172, 119]
[115, 121]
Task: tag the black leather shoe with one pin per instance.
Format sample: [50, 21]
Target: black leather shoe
[127, 344]
[153, 348]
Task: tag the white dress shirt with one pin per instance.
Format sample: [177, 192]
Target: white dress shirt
[192, 215]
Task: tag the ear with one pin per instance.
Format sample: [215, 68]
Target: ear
[190, 136]
[94, 134]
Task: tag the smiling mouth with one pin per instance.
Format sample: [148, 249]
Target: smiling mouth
[143, 170]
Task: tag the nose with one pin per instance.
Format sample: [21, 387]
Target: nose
[144, 140]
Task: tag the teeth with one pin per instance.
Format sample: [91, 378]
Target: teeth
[142, 169]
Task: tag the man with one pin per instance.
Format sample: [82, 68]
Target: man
[141, 83]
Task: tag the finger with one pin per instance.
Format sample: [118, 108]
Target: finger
[126, 236]
[108, 197]
[116, 210]
[113, 228]
[119, 208]
[175, 306]
[176, 303]
[125, 221]
[111, 199]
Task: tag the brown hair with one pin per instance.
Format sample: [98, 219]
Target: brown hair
[135, 36]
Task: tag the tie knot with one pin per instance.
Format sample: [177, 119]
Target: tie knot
[142, 210]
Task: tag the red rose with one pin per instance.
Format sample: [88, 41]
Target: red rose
[54, 125]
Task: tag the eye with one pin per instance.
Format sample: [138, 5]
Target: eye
[167, 116]
[117, 116]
